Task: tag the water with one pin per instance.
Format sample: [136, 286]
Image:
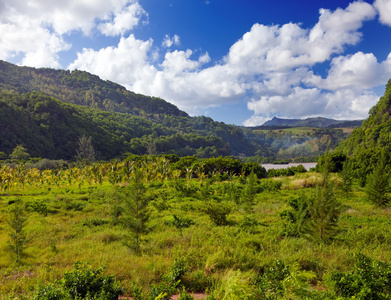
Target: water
[307, 166]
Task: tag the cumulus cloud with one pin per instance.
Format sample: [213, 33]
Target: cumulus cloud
[40, 46]
[123, 20]
[168, 41]
[270, 65]
[125, 63]
[35, 29]
[384, 9]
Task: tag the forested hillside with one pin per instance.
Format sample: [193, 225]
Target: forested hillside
[366, 144]
[50, 128]
[82, 88]
[47, 111]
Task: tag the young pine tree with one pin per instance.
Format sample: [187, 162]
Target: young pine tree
[347, 175]
[249, 193]
[377, 186]
[17, 221]
[324, 210]
[136, 210]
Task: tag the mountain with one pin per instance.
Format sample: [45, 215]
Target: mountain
[82, 88]
[312, 122]
[48, 110]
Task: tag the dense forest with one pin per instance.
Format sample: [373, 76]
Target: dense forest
[47, 111]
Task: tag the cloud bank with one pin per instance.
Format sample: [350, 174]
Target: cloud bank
[272, 67]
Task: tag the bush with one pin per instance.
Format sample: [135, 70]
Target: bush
[369, 279]
[82, 283]
[217, 212]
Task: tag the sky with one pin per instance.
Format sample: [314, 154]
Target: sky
[239, 62]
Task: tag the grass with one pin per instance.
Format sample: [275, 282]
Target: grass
[78, 227]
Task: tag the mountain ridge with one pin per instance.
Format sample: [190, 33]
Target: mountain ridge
[82, 88]
[319, 122]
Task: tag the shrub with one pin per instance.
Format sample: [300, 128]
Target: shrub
[217, 212]
[82, 283]
[369, 279]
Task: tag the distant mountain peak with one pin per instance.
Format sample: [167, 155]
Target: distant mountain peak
[319, 122]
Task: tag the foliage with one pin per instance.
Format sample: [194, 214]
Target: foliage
[250, 190]
[334, 163]
[18, 240]
[20, 153]
[136, 211]
[296, 217]
[324, 210]
[377, 185]
[217, 212]
[82, 283]
[234, 285]
[286, 171]
[180, 222]
[368, 279]
[85, 152]
[347, 176]
[281, 281]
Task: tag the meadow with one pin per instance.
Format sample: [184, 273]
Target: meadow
[161, 228]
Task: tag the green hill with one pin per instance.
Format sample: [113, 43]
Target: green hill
[366, 144]
[50, 128]
[48, 111]
[82, 88]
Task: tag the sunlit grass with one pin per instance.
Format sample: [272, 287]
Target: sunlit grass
[78, 226]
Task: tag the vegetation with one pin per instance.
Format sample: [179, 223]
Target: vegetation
[186, 218]
[223, 234]
[47, 112]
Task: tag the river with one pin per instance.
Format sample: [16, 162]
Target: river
[307, 166]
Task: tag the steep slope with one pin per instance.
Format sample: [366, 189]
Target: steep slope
[82, 88]
[367, 143]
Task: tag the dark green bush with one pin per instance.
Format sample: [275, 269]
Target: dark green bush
[81, 283]
[369, 279]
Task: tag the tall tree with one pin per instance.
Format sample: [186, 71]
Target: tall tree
[85, 152]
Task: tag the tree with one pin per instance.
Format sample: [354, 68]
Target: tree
[324, 210]
[377, 186]
[347, 175]
[18, 240]
[86, 152]
[20, 153]
[136, 210]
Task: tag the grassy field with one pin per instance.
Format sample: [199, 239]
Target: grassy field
[218, 230]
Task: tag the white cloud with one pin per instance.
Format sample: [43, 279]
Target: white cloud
[123, 20]
[40, 46]
[354, 71]
[269, 64]
[126, 63]
[168, 41]
[384, 9]
[35, 29]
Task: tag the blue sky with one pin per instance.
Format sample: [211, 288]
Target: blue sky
[239, 62]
